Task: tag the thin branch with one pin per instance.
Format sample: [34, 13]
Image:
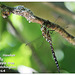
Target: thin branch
[34, 55]
[27, 13]
[18, 35]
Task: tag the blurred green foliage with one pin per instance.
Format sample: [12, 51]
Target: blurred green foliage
[24, 54]
[70, 6]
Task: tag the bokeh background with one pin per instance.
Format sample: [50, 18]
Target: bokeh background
[32, 51]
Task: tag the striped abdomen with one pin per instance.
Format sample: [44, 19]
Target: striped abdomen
[46, 35]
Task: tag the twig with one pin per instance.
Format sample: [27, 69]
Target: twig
[25, 12]
[45, 24]
[34, 55]
[18, 35]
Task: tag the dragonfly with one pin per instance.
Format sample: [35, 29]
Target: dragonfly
[45, 26]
